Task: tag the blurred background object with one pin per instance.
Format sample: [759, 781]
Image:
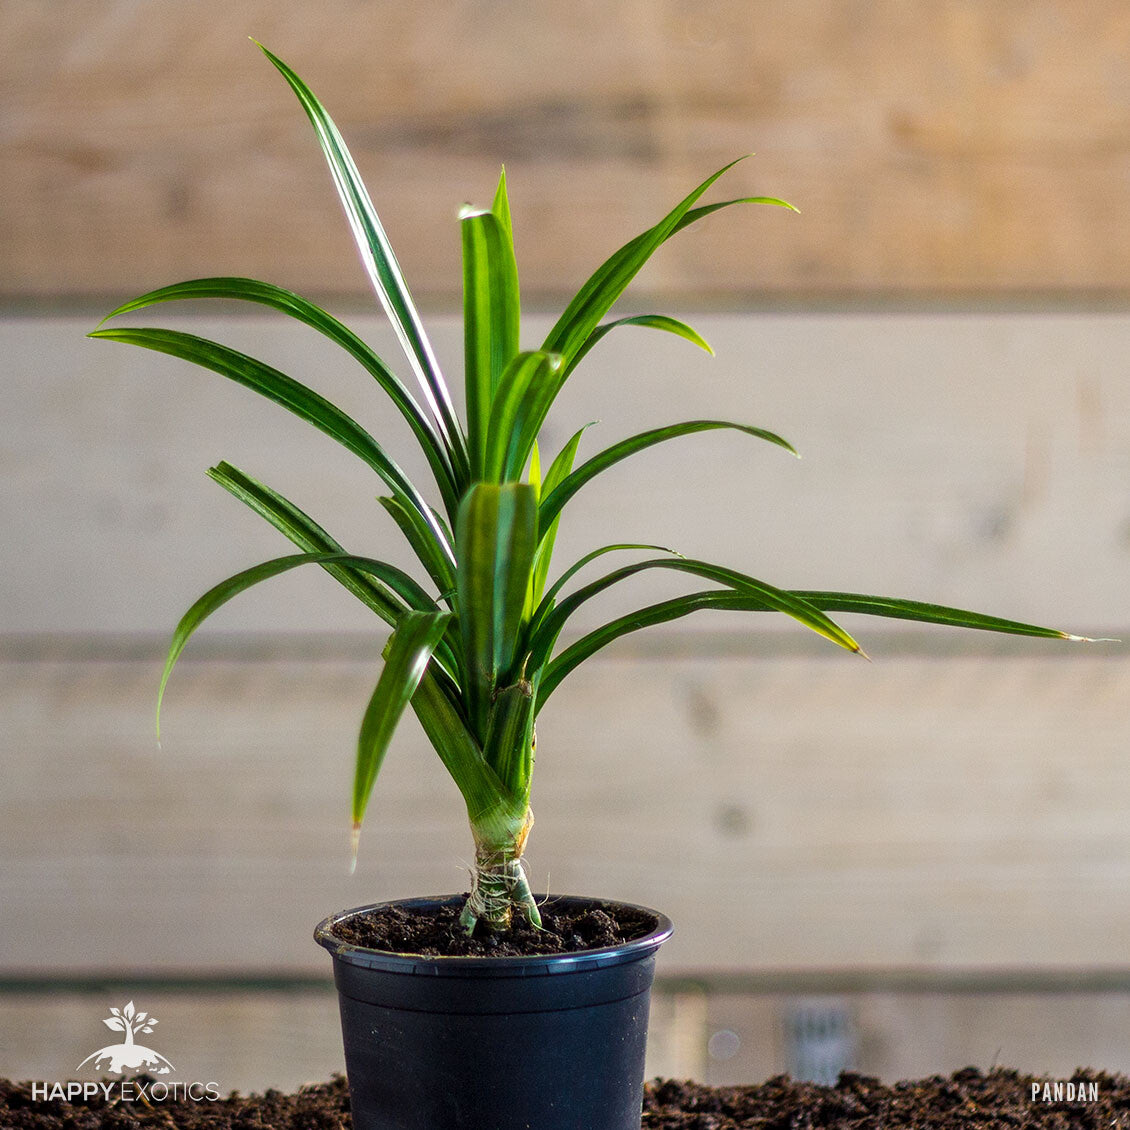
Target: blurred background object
[908, 866]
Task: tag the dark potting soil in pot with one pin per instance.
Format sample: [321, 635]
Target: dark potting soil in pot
[437, 933]
[966, 1100]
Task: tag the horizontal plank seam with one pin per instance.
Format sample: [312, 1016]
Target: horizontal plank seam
[337, 647]
[1052, 980]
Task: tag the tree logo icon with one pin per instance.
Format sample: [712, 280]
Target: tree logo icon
[128, 1055]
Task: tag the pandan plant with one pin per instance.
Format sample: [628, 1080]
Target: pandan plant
[474, 650]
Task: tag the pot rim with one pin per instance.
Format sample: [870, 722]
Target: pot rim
[530, 965]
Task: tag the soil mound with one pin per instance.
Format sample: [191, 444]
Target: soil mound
[966, 1100]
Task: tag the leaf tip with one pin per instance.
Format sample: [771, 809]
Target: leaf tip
[1088, 639]
[354, 842]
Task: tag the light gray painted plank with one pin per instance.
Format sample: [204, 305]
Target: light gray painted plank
[797, 812]
[977, 460]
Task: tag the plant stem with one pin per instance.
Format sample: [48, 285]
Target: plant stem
[498, 883]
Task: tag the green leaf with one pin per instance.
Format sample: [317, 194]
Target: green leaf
[438, 562]
[220, 594]
[388, 602]
[554, 501]
[696, 214]
[519, 409]
[509, 744]
[490, 318]
[580, 331]
[574, 655]
[780, 600]
[285, 301]
[573, 329]
[652, 321]
[446, 728]
[927, 614]
[407, 655]
[607, 283]
[381, 265]
[547, 603]
[563, 461]
[501, 204]
[310, 537]
[588, 645]
[296, 397]
[547, 534]
[535, 470]
[495, 535]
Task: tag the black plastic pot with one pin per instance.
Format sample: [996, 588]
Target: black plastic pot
[550, 1042]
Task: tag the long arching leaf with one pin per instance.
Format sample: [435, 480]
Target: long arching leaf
[582, 649]
[310, 537]
[380, 264]
[608, 281]
[675, 608]
[547, 602]
[310, 314]
[491, 314]
[651, 321]
[220, 594]
[290, 394]
[779, 600]
[553, 503]
[704, 210]
[439, 563]
[646, 244]
[929, 614]
[407, 654]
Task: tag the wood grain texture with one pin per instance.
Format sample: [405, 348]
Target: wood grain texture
[787, 812]
[979, 461]
[932, 145]
[251, 1041]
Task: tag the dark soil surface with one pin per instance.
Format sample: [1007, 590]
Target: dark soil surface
[437, 933]
[966, 1100]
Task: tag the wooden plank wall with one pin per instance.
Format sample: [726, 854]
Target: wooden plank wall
[974, 460]
[934, 146]
[807, 813]
[955, 803]
[251, 1041]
